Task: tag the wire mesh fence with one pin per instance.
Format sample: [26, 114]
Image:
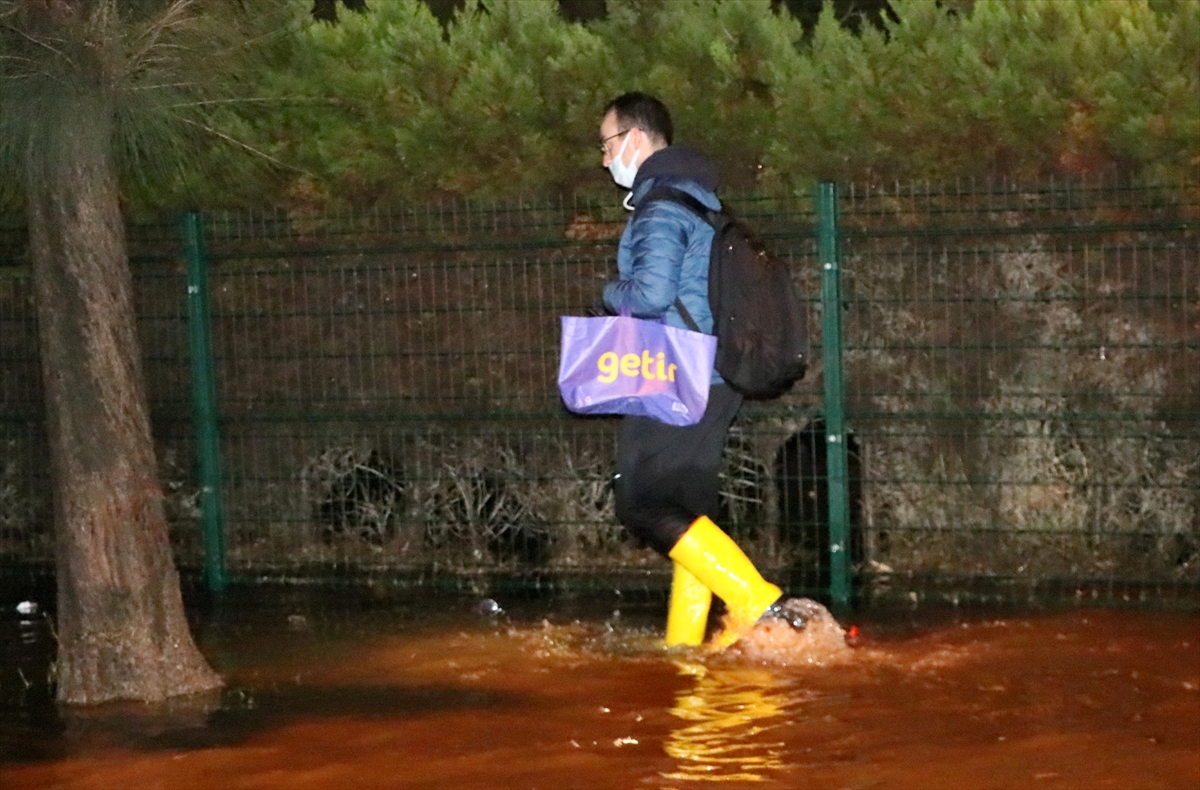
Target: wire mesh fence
[1024, 380]
[1022, 393]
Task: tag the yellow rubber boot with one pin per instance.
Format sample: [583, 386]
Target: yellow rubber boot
[717, 562]
[687, 614]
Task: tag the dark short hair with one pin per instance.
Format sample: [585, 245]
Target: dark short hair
[643, 111]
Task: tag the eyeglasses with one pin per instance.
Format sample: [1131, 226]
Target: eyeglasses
[604, 142]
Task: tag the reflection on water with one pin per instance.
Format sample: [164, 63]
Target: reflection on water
[730, 720]
[740, 700]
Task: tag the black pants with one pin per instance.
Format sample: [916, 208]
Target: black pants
[667, 476]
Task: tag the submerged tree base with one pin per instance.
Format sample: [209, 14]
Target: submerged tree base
[115, 656]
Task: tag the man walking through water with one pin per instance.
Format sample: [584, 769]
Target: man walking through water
[667, 476]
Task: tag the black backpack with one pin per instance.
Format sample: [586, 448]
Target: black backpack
[760, 323]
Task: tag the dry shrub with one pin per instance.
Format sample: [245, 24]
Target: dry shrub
[486, 500]
[466, 500]
[461, 502]
[578, 503]
[747, 489]
[354, 492]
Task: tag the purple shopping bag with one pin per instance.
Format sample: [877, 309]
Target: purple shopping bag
[624, 365]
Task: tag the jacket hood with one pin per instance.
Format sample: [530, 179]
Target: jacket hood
[678, 161]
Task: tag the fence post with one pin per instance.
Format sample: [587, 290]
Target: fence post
[835, 413]
[204, 403]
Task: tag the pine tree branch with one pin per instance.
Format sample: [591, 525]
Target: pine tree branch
[257, 100]
[18, 59]
[174, 18]
[245, 146]
[44, 43]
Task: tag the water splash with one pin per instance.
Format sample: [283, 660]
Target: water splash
[775, 642]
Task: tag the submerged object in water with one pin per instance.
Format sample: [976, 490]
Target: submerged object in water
[796, 612]
[488, 607]
[793, 632]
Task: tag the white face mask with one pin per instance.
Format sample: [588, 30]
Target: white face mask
[622, 173]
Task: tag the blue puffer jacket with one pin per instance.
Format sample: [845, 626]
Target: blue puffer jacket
[665, 248]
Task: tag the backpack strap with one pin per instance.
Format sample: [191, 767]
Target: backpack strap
[686, 316]
[688, 201]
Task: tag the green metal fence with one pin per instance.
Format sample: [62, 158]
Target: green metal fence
[1023, 375]
[372, 394]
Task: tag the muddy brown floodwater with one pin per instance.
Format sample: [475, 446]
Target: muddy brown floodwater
[560, 696]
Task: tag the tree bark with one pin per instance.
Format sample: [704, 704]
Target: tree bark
[121, 626]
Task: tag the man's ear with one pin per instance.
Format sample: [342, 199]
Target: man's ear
[641, 142]
[649, 144]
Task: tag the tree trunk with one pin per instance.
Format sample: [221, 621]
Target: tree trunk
[121, 626]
